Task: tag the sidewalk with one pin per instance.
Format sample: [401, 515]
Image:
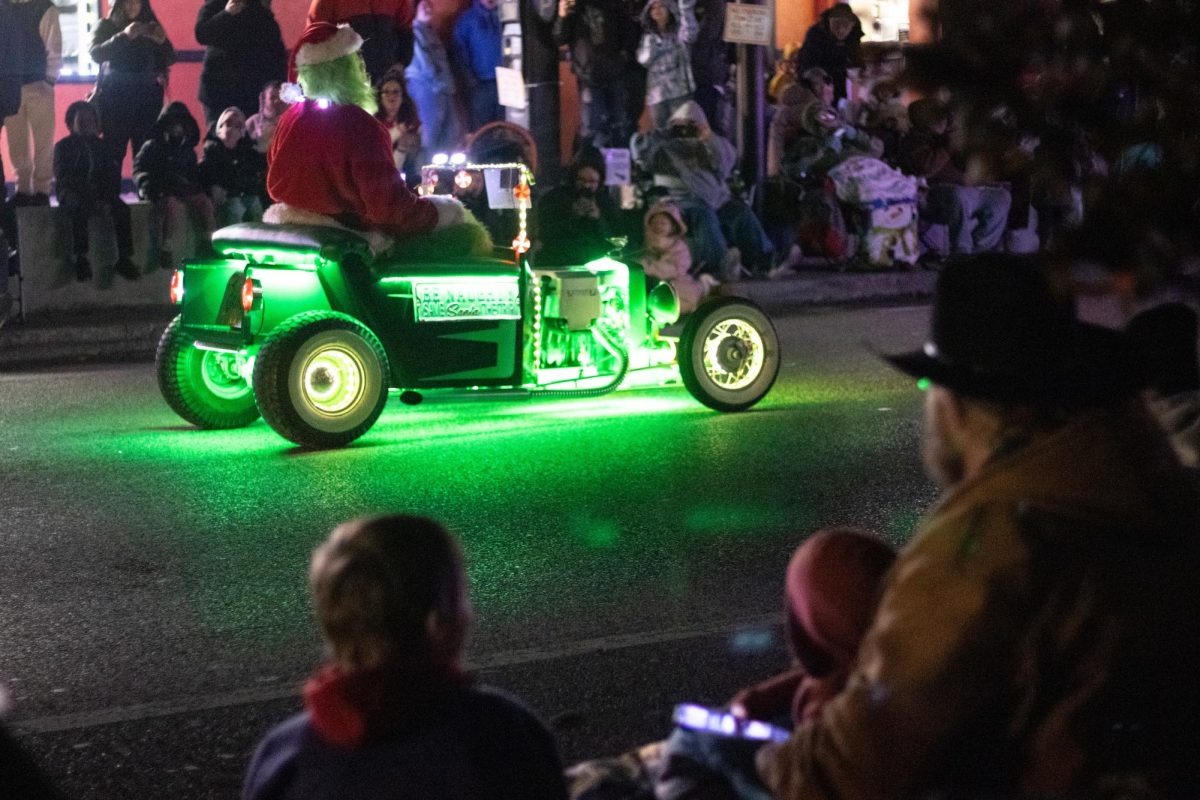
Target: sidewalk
[114, 334]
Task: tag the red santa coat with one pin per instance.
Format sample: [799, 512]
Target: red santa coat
[337, 161]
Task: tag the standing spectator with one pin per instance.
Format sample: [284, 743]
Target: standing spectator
[261, 126]
[476, 56]
[635, 75]
[664, 52]
[977, 216]
[394, 713]
[602, 43]
[386, 27]
[1037, 636]
[31, 128]
[398, 113]
[10, 102]
[232, 171]
[166, 174]
[576, 219]
[134, 54]
[243, 50]
[833, 43]
[431, 84]
[710, 62]
[86, 178]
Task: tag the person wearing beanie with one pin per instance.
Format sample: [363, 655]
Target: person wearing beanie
[394, 713]
[831, 591]
[331, 159]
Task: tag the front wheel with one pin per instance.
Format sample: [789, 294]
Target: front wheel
[729, 354]
[205, 387]
[321, 379]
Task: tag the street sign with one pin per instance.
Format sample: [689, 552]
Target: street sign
[747, 24]
[618, 167]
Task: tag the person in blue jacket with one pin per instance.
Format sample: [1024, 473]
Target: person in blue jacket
[476, 55]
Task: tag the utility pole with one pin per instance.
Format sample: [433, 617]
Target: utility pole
[529, 48]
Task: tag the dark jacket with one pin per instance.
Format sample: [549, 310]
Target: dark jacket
[710, 52]
[1036, 638]
[119, 55]
[240, 171]
[568, 239]
[242, 53]
[384, 25]
[476, 744]
[603, 41]
[165, 168]
[11, 48]
[822, 49]
[25, 19]
[84, 167]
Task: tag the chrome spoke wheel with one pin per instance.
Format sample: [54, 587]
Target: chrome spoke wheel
[733, 354]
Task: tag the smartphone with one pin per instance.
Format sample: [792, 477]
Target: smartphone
[722, 723]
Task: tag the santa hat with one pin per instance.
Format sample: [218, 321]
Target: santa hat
[322, 42]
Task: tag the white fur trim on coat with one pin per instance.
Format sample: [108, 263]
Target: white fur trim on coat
[449, 210]
[342, 43]
[283, 214]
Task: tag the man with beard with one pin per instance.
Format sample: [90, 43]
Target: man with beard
[1037, 637]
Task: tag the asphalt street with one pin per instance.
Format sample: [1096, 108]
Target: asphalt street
[625, 553]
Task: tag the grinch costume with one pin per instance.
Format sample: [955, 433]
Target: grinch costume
[331, 160]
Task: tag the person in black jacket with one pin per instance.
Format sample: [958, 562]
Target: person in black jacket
[232, 170]
[86, 178]
[394, 714]
[576, 219]
[134, 54]
[243, 51]
[833, 43]
[603, 44]
[166, 174]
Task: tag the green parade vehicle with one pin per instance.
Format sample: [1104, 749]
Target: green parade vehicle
[303, 326]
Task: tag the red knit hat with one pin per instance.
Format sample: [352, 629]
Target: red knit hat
[322, 42]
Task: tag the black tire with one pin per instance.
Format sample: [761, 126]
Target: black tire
[321, 379]
[729, 354]
[202, 386]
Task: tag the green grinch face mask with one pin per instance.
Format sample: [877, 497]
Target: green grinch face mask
[343, 80]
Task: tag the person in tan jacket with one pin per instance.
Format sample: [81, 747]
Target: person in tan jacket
[1038, 636]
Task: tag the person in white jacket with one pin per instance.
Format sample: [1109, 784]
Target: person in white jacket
[37, 59]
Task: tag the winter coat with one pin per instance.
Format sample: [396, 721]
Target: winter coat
[691, 167]
[240, 171]
[338, 162]
[430, 67]
[1037, 637]
[84, 167]
[672, 263]
[666, 56]
[433, 742]
[120, 56]
[12, 46]
[242, 53]
[386, 27]
[568, 239]
[787, 124]
[162, 168]
[602, 41]
[710, 51]
[822, 49]
[36, 53]
[477, 43]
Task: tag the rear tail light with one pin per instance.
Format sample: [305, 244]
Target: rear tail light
[177, 287]
[251, 295]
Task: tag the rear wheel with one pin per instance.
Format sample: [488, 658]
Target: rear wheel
[205, 387]
[321, 379]
[729, 354]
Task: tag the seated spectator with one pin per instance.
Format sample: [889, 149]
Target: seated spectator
[86, 179]
[394, 713]
[694, 165]
[664, 52]
[1165, 337]
[1018, 649]
[825, 138]
[167, 175]
[787, 125]
[233, 172]
[576, 219]
[786, 73]
[833, 43]
[398, 113]
[665, 255]
[977, 216]
[832, 588]
[260, 127]
[431, 85]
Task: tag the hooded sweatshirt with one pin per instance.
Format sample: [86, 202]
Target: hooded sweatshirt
[1036, 638]
[166, 167]
[670, 260]
[689, 166]
[666, 55]
[822, 49]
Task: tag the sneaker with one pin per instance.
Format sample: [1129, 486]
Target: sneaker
[708, 281]
[126, 268]
[83, 268]
[166, 260]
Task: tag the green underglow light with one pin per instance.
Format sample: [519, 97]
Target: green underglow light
[266, 255]
[924, 383]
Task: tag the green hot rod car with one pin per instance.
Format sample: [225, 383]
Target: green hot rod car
[303, 326]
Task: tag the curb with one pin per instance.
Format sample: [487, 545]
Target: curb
[132, 334]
